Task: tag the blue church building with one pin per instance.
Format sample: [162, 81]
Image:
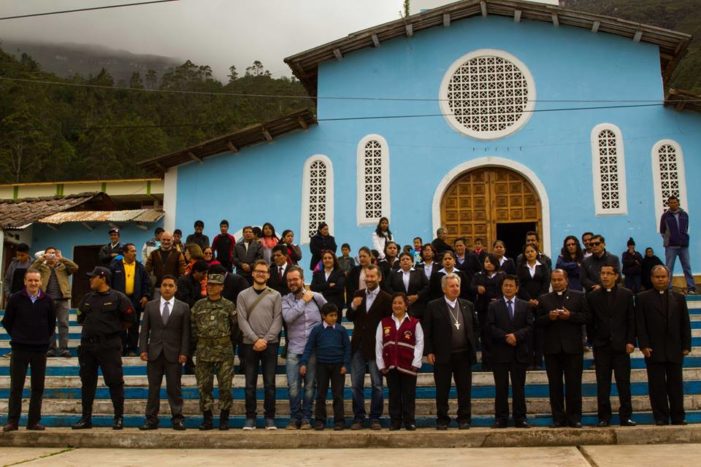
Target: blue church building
[490, 118]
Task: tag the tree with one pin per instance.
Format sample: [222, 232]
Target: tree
[233, 74]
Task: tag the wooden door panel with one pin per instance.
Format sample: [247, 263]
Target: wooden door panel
[478, 200]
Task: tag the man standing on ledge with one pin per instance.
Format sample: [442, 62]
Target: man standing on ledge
[450, 339]
[103, 313]
[30, 321]
[664, 334]
[674, 228]
[613, 339]
[214, 321]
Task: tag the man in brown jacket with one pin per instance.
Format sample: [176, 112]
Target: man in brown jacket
[166, 260]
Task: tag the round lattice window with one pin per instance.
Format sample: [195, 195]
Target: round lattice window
[487, 94]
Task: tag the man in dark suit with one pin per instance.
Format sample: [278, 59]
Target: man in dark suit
[561, 314]
[246, 252]
[366, 310]
[450, 339]
[511, 327]
[165, 343]
[612, 332]
[664, 336]
[278, 270]
[412, 282]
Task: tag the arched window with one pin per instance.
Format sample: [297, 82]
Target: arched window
[373, 180]
[317, 196]
[668, 174]
[608, 170]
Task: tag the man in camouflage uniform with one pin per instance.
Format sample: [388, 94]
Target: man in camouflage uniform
[213, 322]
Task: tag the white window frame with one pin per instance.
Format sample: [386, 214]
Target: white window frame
[620, 167]
[657, 176]
[361, 190]
[487, 135]
[305, 233]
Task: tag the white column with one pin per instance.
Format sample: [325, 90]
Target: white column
[170, 197]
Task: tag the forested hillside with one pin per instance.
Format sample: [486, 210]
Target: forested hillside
[71, 131]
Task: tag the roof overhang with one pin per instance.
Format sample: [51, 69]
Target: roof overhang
[21, 213]
[129, 215]
[672, 44]
[232, 142]
[683, 100]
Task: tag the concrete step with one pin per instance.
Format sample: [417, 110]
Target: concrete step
[134, 421]
[363, 439]
[424, 407]
[71, 390]
[479, 378]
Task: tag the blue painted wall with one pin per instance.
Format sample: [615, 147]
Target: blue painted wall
[263, 183]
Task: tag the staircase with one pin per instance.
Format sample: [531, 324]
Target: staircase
[61, 405]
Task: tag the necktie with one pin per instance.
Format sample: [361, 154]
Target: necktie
[166, 313]
[510, 307]
[279, 273]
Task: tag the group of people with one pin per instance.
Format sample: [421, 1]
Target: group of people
[436, 300]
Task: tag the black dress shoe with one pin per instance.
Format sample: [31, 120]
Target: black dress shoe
[628, 422]
[499, 424]
[410, 427]
[10, 427]
[36, 427]
[179, 425]
[395, 427]
[661, 422]
[148, 426]
[522, 424]
[83, 424]
[576, 425]
[118, 423]
[603, 424]
[679, 422]
[558, 425]
[441, 427]
[463, 425]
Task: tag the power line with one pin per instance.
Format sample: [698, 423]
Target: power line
[292, 96]
[60, 12]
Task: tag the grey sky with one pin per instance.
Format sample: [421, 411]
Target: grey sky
[218, 33]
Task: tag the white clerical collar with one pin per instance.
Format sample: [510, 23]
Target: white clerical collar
[559, 294]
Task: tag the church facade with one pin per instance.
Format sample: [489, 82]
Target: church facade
[491, 118]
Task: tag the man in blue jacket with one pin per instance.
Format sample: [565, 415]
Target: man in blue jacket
[674, 228]
[130, 278]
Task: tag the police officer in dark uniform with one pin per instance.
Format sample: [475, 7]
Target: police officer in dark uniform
[103, 313]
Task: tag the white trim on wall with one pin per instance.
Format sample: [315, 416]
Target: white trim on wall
[657, 178]
[304, 231]
[598, 175]
[493, 161]
[361, 186]
[170, 198]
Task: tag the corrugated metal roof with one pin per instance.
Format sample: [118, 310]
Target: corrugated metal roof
[130, 215]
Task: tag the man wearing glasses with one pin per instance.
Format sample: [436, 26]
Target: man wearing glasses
[260, 319]
[590, 273]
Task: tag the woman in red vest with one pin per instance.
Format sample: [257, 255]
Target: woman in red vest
[399, 348]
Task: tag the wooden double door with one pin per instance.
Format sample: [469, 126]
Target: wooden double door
[491, 203]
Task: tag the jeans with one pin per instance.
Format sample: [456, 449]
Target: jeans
[358, 365]
[62, 319]
[670, 257]
[268, 360]
[300, 409]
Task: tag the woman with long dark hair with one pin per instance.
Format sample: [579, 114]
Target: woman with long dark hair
[323, 240]
[268, 239]
[570, 260]
[486, 285]
[381, 236]
[330, 281]
[294, 253]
